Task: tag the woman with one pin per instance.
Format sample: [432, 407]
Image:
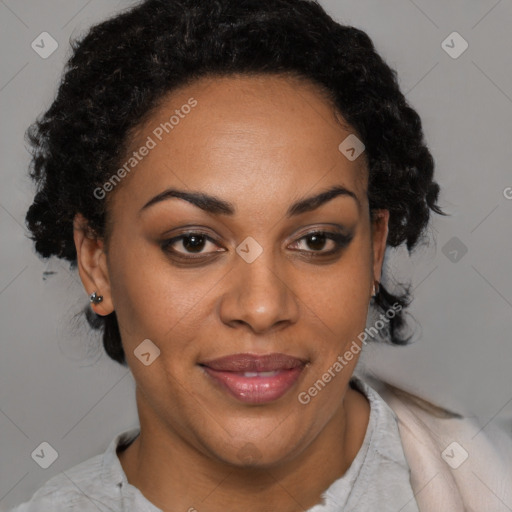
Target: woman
[226, 176]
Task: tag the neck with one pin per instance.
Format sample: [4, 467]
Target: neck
[174, 475]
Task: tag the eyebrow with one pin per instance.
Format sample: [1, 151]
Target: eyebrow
[216, 206]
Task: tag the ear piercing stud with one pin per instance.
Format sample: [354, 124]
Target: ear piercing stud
[94, 298]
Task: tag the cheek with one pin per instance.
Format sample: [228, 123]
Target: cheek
[339, 294]
[154, 300]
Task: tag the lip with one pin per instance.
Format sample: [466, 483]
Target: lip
[254, 363]
[230, 372]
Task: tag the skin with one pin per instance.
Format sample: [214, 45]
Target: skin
[260, 143]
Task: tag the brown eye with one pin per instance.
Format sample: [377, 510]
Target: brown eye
[189, 243]
[316, 242]
[193, 243]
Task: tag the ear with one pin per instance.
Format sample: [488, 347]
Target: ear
[92, 264]
[379, 227]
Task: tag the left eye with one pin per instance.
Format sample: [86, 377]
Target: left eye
[317, 240]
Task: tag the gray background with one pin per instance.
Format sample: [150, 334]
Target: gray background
[55, 383]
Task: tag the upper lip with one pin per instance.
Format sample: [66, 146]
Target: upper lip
[254, 363]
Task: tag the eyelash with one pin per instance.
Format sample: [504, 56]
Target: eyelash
[341, 241]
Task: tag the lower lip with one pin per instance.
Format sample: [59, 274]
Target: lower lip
[256, 390]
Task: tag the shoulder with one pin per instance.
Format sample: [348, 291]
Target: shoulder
[92, 485]
[453, 458]
[67, 490]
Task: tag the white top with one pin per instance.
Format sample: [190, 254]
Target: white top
[377, 479]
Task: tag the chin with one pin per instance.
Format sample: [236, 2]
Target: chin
[254, 455]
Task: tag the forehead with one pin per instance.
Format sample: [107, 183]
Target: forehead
[240, 136]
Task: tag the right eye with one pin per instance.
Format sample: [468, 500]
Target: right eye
[191, 242]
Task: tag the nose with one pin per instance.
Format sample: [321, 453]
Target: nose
[260, 296]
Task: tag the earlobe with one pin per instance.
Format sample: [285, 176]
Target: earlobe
[92, 266]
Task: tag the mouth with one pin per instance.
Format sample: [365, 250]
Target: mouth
[255, 379]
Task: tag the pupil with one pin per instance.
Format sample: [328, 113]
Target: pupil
[194, 242]
[316, 239]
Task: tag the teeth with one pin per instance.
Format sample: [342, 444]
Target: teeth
[261, 374]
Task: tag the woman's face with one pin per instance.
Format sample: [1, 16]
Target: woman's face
[245, 277]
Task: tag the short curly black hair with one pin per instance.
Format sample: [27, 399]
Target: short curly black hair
[121, 69]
